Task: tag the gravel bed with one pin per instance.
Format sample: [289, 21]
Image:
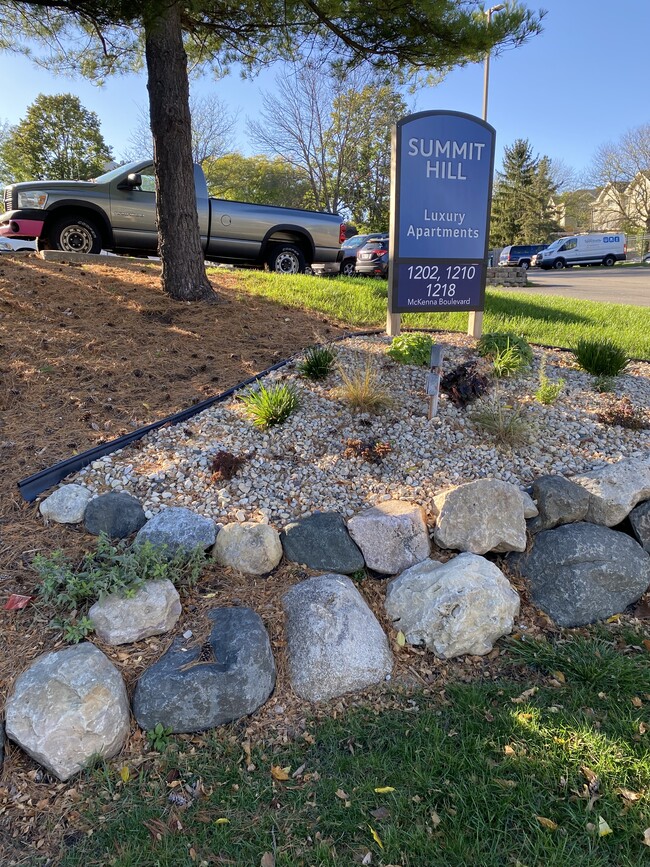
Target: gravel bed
[298, 467]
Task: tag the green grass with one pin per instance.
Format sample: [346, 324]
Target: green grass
[470, 775]
[541, 319]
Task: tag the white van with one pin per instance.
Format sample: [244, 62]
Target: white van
[593, 248]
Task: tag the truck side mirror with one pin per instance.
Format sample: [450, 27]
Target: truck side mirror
[134, 179]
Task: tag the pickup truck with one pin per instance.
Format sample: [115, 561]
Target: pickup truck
[117, 212]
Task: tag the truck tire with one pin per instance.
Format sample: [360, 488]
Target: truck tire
[75, 235]
[559, 264]
[525, 264]
[608, 261]
[286, 259]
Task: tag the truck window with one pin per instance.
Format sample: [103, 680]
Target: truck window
[148, 180]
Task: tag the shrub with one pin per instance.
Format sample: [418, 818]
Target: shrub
[224, 466]
[623, 413]
[600, 357]
[373, 451]
[411, 349]
[506, 423]
[361, 387]
[603, 384]
[508, 361]
[273, 405]
[548, 391]
[71, 590]
[491, 343]
[464, 383]
[318, 362]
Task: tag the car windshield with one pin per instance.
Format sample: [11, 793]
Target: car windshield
[355, 241]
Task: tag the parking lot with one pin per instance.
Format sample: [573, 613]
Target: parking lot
[629, 284]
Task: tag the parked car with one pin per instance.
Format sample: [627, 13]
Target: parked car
[519, 255]
[646, 258]
[347, 259]
[16, 245]
[372, 258]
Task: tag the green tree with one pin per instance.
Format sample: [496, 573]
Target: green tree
[257, 179]
[522, 211]
[58, 138]
[98, 37]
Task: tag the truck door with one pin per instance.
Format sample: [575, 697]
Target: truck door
[133, 213]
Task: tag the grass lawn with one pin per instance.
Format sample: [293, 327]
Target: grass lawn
[490, 773]
[542, 319]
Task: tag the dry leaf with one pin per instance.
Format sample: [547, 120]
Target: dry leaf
[367, 858]
[435, 819]
[192, 853]
[376, 837]
[505, 784]
[528, 693]
[16, 602]
[646, 643]
[222, 821]
[558, 675]
[646, 837]
[279, 773]
[267, 860]
[636, 701]
[590, 776]
[547, 823]
[342, 795]
[508, 750]
[382, 790]
[603, 827]
[629, 795]
[124, 774]
[401, 639]
[380, 813]
[643, 728]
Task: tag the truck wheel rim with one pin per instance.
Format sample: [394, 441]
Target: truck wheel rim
[287, 263]
[76, 239]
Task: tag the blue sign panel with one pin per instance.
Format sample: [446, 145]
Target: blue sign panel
[440, 209]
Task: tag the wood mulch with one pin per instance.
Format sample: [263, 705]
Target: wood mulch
[89, 352]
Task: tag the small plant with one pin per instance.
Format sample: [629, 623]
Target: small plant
[318, 363]
[497, 341]
[506, 423]
[361, 387]
[464, 384]
[109, 569]
[623, 413]
[411, 349]
[224, 466]
[548, 391]
[269, 406]
[372, 451]
[158, 738]
[601, 358]
[507, 362]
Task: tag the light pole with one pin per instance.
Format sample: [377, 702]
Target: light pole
[486, 74]
[475, 324]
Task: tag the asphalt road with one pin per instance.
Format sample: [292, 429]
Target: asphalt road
[620, 285]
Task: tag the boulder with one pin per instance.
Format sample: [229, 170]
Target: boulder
[192, 688]
[615, 490]
[480, 516]
[69, 706]
[334, 642]
[392, 536]
[530, 507]
[152, 610]
[640, 521]
[67, 505]
[117, 514]
[559, 501]
[322, 542]
[254, 549]
[462, 606]
[176, 528]
[580, 573]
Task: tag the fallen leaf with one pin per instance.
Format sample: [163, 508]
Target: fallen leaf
[528, 693]
[267, 860]
[367, 858]
[298, 772]
[629, 795]
[643, 728]
[376, 837]
[590, 776]
[508, 750]
[603, 827]
[380, 813]
[16, 602]
[222, 821]
[279, 773]
[192, 853]
[547, 823]
[401, 639]
[124, 774]
[506, 784]
[558, 675]
[435, 819]
[636, 701]
[342, 795]
[646, 837]
[382, 790]
[646, 643]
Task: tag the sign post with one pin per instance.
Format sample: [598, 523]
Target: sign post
[441, 187]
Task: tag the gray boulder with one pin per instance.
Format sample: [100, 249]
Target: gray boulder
[462, 606]
[615, 490]
[580, 573]
[69, 706]
[152, 610]
[640, 521]
[117, 514]
[559, 501]
[322, 541]
[251, 548]
[334, 642]
[177, 528]
[480, 516]
[392, 536]
[192, 688]
[67, 505]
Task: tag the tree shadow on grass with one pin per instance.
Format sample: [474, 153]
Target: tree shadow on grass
[509, 308]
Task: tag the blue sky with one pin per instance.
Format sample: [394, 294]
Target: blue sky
[582, 82]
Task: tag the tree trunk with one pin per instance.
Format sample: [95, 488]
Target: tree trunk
[183, 271]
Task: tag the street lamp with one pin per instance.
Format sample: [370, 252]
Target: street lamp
[488, 13]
